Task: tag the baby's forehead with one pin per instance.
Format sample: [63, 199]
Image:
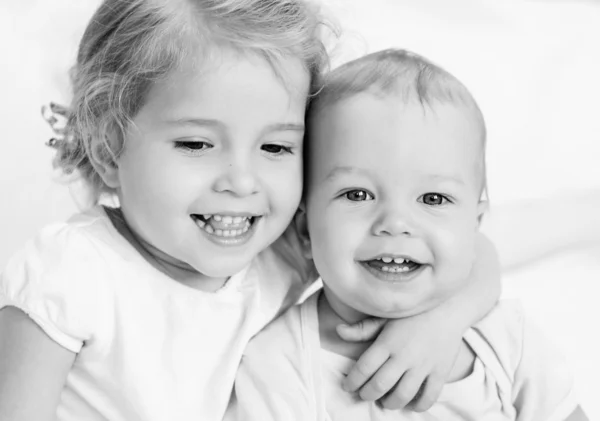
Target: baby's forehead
[435, 135]
[374, 107]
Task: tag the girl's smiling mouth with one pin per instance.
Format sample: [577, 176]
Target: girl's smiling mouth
[227, 229]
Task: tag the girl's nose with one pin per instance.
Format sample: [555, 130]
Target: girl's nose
[237, 180]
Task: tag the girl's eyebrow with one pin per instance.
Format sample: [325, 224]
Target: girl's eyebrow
[210, 122]
[203, 122]
[279, 127]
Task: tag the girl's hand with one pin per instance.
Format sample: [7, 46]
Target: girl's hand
[409, 362]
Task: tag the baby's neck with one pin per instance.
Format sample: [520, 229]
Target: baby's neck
[330, 340]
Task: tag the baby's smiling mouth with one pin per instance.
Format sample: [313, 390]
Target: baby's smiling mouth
[391, 264]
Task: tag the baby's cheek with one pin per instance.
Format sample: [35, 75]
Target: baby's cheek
[457, 250]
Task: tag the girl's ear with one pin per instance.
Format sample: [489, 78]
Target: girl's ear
[104, 163]
[301, 225]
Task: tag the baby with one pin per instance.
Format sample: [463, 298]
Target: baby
[395, 189]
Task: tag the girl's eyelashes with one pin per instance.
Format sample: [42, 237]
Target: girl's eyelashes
[358, 195]
[434, 199]
[192, 146]
[276, 149]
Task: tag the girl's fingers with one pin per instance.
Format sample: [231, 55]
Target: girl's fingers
[406, 390]
[382, 381]
[365, 367]
[428, 394]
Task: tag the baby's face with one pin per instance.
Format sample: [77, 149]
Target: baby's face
[393, 203]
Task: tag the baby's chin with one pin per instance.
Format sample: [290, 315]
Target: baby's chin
[402, 310]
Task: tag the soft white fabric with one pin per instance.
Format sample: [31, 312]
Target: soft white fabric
[285, 375]
[149, 348]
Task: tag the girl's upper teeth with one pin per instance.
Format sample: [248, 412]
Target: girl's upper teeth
[397, 260]
[227, 219]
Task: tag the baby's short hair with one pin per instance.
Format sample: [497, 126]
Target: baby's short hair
[131, 44]
[403, 74]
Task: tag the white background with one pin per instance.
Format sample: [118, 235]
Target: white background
[534, 67]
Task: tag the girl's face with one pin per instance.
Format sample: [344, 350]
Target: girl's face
[211, 172]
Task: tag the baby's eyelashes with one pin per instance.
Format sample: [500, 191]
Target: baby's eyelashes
[358, 195]
[435, 199]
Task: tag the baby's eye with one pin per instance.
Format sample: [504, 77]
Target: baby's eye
[276, 149]
[358, 195]
[192, 146]
[434, 199]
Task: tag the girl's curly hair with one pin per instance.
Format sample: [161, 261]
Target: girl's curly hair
[129, 44]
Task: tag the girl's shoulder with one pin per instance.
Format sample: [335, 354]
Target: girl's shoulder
[287, 255]
[69, 245]
[58, 277]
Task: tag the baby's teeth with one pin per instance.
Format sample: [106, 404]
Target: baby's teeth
[217, 218]
[227, 219]
[386, 259]
[201, 223]
[209, 229]
[219, 232]
[237, 219]
[206, 217]
[398, 260]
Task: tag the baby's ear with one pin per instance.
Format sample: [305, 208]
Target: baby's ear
[482, 209]
[301, 225]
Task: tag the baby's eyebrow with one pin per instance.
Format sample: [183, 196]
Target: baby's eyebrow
[447, 177]
[341, 170]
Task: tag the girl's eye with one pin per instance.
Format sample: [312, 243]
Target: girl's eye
[192, 146]
[275, 149]
[434, 199]
[358, 195]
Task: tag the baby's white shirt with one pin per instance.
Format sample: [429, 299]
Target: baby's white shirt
[148, 348]
[517, 376]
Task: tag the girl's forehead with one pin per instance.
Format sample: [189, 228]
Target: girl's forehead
[215, 63]
[226, 73]
[241, 95]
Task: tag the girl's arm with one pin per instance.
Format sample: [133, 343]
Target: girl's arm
[418, 353]
[33, 369]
